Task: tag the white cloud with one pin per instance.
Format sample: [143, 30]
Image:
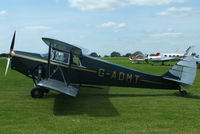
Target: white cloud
[108, 24]
[121, 25]
[176, 11]
[168, 34]
[37, 28]
[113, 4]
[153, 2]
[170, 29]
[113, 25]
[3, 12]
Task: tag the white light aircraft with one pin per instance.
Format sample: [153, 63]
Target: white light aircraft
[172, 56]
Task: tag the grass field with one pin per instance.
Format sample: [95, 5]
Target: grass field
[112, 110]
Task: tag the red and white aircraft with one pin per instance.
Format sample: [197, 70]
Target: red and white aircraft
[141, 57]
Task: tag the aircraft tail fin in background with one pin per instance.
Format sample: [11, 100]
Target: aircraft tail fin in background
[183, 72]
[189, 51]
[157, 54]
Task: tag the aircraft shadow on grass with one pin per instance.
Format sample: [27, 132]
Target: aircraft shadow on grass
[189, 96]
[87, 102]
[96, 102]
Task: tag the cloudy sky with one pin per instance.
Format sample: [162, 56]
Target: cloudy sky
[102, 26]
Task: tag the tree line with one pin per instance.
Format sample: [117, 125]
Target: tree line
[117, 54]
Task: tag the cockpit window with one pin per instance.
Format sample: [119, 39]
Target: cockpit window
[60, 57]
[76, 61]
[64, 58]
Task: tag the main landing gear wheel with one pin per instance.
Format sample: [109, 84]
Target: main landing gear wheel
[45, 90]
[183, 93]
[37, 92]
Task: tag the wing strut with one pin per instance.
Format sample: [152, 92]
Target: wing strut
[49, 57]
[69, 70]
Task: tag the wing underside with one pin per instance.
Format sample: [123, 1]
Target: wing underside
[59, 86]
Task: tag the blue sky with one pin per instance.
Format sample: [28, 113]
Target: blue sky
[102, 26]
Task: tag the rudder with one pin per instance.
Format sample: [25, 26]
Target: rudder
[183, 72]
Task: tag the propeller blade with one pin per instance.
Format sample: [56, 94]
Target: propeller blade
[10, 52]
[8, 63]
[12, 44]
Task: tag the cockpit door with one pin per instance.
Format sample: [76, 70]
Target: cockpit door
[64, 57]
[64, 66]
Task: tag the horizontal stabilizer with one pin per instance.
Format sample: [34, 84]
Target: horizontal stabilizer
[59, 86]
[183, 72]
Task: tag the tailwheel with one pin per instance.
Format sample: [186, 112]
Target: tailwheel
[37, 92]
[183, 93]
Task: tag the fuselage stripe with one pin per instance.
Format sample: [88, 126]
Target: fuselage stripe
[54, 63]
[154, 82]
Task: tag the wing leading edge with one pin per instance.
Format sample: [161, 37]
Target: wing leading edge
[62, 46]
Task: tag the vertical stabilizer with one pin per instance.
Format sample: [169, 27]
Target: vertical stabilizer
[157, 54]
[189, 51]
[183, 72]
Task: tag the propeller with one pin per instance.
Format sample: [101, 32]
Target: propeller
[9, 55]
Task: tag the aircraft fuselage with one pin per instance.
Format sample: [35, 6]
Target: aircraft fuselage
[92, 72]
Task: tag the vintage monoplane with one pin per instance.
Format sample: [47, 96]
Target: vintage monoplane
[65, 68]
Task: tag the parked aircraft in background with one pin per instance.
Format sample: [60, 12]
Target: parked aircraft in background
[197, 58]
[172, 56]
[143, 58]
[138, 58]
[149, 57]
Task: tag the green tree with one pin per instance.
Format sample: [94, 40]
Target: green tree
[115, 54]
[127, 55]
[152, 54]
[194, 54]
[137, 53]
[94, 54]
[3, 55]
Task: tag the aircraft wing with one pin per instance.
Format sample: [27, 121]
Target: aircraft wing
[138, 59]
[164, 59]
[59, 86]
[62, 46]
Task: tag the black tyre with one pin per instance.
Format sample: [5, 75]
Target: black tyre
[45, 90]
[37, 92]
[183, 93]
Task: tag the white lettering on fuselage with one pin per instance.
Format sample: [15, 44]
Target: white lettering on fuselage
[120, 76]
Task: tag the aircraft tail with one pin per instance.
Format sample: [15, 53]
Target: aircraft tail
[157, 54]
[183, 72]
[189, 51]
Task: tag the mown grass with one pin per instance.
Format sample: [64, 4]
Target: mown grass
[111, 110]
